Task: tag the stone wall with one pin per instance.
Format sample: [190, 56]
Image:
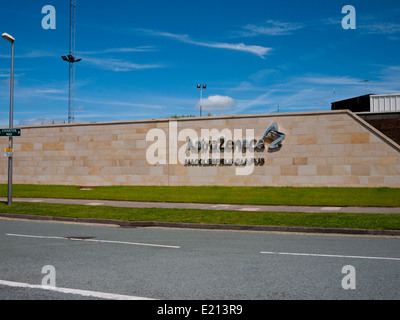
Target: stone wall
[333, 148]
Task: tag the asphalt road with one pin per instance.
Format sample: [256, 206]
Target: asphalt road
[108, 262]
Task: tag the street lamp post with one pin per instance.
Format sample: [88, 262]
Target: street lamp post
[201, 88]
[10, 144]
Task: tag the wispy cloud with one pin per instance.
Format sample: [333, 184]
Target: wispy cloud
[118, 65]
[51, 91]
[388, 28]
[119, 50]
[312, 91]
[107, 61]
[369, 24]
[330, 80]
[253, 49]
[270, 28]
[112, 101]
[297, 93]
[32, 54]
[380, 22]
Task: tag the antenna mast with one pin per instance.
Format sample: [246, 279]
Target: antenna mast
[71, 106]
[70, 58]
[365, 84]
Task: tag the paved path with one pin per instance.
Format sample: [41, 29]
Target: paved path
[254, 208]
[233, 207]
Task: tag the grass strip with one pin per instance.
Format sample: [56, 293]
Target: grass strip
[327, 220]
[299, 196]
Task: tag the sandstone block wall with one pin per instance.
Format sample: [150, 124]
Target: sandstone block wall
[333, 148]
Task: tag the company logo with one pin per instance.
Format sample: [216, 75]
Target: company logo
[213, 148]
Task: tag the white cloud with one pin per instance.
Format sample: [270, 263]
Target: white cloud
[381, 28]
[368, 24]
[312, 91]
[113, 101]
[119, 50]
[40, 121]
[114, 64]
[118, 65]
[330, 80]
[217, 103]
[49, 91]
[32, 54]
[257, 50]
[271, 28]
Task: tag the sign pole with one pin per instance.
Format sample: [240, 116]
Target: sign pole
[10, 158]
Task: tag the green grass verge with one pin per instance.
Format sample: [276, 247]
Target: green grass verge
[328, 220]
[342, 197]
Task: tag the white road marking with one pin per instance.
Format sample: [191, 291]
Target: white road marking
[94, 204]
[250, 209]
[330, 255]
[29, 236]
[86, 293]
[93, 240]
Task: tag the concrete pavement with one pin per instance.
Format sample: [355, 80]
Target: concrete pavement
[204, 206]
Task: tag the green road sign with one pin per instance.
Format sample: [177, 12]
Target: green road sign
[10, 132]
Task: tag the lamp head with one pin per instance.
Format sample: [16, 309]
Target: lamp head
[7, 37]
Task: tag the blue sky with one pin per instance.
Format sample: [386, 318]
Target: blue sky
[143, 59]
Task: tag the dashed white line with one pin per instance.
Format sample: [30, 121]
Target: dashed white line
[329, 255]
[94, 240]
[30, 236]
[86, 293]
[132, 243]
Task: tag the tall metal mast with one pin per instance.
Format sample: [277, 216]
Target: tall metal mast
[365, 84]
[71, 60]
[71, 106]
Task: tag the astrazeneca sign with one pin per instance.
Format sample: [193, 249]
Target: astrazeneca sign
[213, 148]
